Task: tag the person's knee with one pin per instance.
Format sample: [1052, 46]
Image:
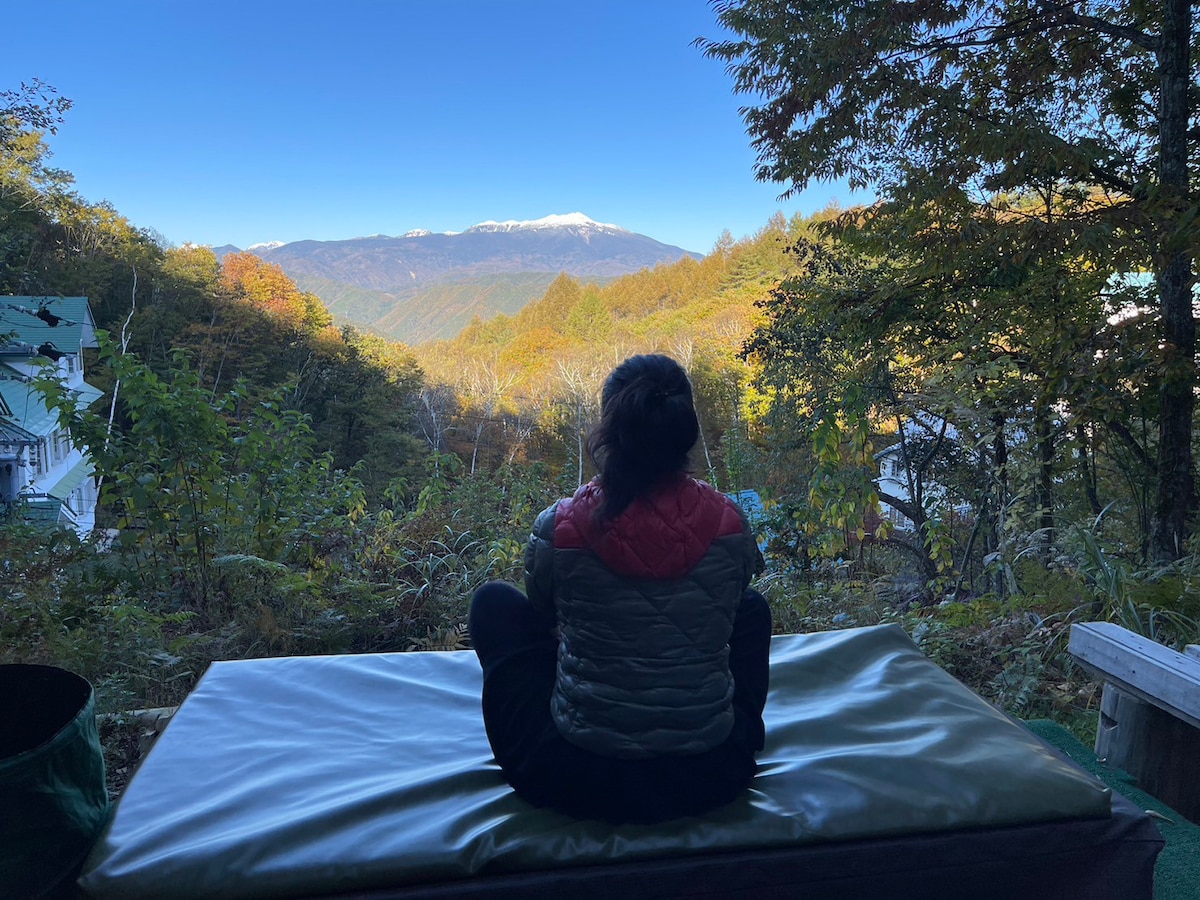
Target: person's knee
[754, 613]
[492, 605]
[496, 593]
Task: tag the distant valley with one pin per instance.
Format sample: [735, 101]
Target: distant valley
[423, 286]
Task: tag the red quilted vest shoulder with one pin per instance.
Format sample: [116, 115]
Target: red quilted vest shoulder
[661, 535]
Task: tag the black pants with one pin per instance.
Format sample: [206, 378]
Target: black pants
[518, 651]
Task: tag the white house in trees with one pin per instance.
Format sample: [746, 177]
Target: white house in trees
[921, 433]
[44, 477]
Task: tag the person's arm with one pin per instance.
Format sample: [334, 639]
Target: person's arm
[539, 562]
[752, 558]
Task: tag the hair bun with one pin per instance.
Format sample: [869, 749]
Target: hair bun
[641, 438]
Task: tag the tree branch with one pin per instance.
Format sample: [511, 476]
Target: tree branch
[1119, 429]
[907, 508]
[1135, 36]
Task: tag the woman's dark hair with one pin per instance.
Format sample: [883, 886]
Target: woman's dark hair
[647, 427]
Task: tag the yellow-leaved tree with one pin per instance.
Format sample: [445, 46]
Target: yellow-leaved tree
[265, 285]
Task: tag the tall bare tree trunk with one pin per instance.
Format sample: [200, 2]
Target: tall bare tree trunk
[1087, 472]
[1175, 495]
[999, 535]
[579, 437]
[1045, 488]
[112, 409]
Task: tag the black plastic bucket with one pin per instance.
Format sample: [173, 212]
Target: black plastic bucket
[53, 800]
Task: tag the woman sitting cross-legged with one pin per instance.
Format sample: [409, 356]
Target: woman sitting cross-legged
[629, 683]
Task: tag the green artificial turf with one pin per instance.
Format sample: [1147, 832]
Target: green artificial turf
[1177, 873]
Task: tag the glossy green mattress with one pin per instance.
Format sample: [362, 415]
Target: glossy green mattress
[317, 775]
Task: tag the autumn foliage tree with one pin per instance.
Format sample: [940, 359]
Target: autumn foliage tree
[948, 107]
[267, 287]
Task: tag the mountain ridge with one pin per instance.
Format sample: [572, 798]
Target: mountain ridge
[370, 281]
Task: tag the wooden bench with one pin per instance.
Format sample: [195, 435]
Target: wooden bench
[1150, 711]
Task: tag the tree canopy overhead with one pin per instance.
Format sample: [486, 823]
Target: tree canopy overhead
[951, 109]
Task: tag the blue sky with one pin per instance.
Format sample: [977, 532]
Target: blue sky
[218, 122]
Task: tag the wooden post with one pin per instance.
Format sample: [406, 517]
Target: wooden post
[1160, 751]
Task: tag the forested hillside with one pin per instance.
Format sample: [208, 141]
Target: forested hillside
[272, 483]
[423, 286]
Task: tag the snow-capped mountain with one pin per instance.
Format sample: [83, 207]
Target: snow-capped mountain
[379, 281]
[574, 221]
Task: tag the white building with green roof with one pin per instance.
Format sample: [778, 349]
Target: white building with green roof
[44, 477]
